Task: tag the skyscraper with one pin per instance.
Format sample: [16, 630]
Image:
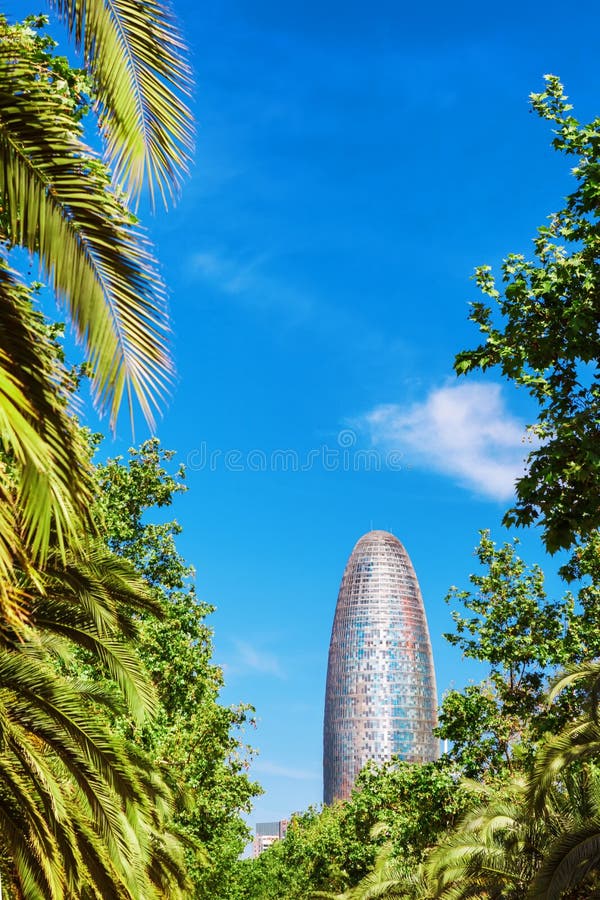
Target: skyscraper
[380, 698]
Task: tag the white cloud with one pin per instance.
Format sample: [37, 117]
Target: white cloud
[265, 767]
[462, 430]
[250, 658]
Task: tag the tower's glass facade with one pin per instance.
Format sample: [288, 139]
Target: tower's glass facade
[381, 697]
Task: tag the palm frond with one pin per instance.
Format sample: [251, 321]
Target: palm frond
[57, 203]
[94, 814]
[138, 60]
[588, 672]
[568, 861]
[48, 494]
[578, 742]
[89, 601]
[485, 859]
[26, 835]
[166, 867]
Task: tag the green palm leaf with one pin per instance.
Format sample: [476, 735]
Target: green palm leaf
[88, 601]
[34, 857]
[137, 58]
[84, 814]
[45, 486]
[58, 203]
[493, 851]
[578, 742]
[568, 862]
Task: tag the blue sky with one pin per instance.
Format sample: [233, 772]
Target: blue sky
[354, 164]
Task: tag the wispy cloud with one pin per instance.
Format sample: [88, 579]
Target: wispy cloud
[265, 767]
[254, 282]
[246, 279]
[252, 659]
[463, 430]
[231, 276]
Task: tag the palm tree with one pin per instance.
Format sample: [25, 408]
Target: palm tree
[572, 860]
[391, 879]
[503, 850]
[566, 768]
[579, 740]
[82, 814]
[494, 851]
[57, 200]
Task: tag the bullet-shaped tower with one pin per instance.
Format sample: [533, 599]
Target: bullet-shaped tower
[381, 697]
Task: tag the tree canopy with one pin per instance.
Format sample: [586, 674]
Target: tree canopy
[540, 328]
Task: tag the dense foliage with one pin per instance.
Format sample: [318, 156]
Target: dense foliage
[330, 849]
[508, 621]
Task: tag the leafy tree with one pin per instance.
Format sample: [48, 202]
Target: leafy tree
[509, 622]
[416, 802]
[320, 852]
[196, 735]
[541, 329]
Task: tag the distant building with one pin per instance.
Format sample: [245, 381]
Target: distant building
[381, 696]
[267, 833]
